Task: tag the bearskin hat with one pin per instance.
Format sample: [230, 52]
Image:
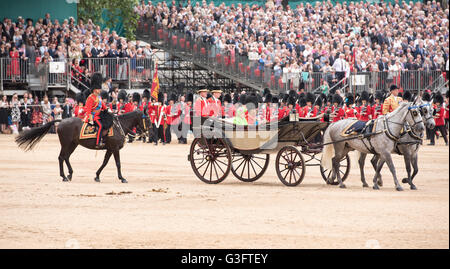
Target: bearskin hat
[79, 97]
[268, 98]
[438, 98]
[122, 95]
[104, 95]
[371, 99]
[146, 94]
[357, 98]
[310, 97]
[293, 93]
[242, 99]
[227, 98]
[318, 101]
[251, 102]
[337, 99]
[209, 95]
[160, 97]
[190, 97]
[136, 97]
[285, 98]
[96, 81]
[426, 97]
[379, 95]
[407, 96]
[349, 100]
[302, 101]
[291, 100]
[275, 100]
[365, 96]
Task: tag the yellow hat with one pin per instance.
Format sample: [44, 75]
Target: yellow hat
[203, 90]
[216, 90]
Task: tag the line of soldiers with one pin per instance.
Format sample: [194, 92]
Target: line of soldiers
[174, 115]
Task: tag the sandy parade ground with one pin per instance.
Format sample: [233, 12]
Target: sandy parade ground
[165, 205]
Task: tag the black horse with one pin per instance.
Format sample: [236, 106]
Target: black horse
[69, 137]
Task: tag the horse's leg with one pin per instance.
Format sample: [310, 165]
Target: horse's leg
[336, 160]
[378, 166]
[105, 162]
[361, 161]
[415, 171]
[374, 162]
[407, 159]
[388, 159]
[117, 159]
[61, 163]
[70, 151]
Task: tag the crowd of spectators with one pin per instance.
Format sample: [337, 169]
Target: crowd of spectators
[318, 37]
[48, 40]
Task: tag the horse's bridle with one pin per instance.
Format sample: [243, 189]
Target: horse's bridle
[411, 109]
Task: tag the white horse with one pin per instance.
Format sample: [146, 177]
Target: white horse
[382, 142]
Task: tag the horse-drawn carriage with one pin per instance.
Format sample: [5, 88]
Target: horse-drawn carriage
[221, 146]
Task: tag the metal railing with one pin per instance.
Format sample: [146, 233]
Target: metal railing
[220, 59]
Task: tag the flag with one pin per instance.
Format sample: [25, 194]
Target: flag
[155, 84]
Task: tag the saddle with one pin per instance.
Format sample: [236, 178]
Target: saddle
[90, 131]
[358, 127]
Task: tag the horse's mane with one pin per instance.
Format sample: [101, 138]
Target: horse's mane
[130, 115]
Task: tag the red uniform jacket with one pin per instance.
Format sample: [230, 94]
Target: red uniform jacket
[350, 112]
[93, 107]
[340, 114]
[200, 107]
[157, 114]
[129, 107]
[377, 112]
[439, 118]
[365, 116]
[121, 108]
[283, 112]
[143, 105]
[173, 114]
[309, 112]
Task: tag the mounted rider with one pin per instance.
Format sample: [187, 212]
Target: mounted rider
[95, 105]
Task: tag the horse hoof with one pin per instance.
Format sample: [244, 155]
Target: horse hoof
[405, 180]
[399, 188]
[413, 187]
[375, 187]
[65, 179]
[365, 185]
[380, 183]
[97, 179]
[124, 180]
[69, 177]
[342, 186]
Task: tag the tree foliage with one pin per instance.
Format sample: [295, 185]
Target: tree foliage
[109, 13]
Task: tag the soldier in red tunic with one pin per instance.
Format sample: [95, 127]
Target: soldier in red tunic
[364, 110]
[94, 106]
[122, 96]
[337, 111]
[187, 114]
[350, 111]
[309, 111]
[377, 108]
[439, 119]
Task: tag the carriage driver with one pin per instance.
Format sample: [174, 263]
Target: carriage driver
[94, 106]
[393, 101]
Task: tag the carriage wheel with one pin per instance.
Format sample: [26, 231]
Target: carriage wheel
[211, 162]
[249, 168]
[344, 170]
[290, 166]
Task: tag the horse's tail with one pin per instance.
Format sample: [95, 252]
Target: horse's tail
[327, 152]
[26, 140]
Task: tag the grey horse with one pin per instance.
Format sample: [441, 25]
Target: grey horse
[408, 145]
[382, 141]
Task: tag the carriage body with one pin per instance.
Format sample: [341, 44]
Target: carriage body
[221, 146]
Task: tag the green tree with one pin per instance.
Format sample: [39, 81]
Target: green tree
[109, 13]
